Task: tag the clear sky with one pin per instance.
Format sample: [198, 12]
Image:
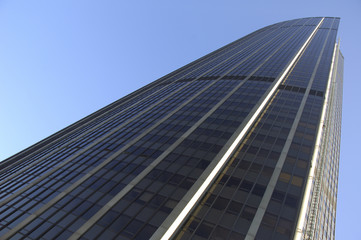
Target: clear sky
[61, 60]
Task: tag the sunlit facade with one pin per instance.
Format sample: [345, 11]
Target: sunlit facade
[242, 143]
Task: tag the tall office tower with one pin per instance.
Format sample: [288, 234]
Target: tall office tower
[240, 144]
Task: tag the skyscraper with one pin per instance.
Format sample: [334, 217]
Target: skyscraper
[241, 143]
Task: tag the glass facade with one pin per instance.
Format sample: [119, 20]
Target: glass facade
[222, 148]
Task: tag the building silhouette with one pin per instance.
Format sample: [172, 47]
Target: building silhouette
[242, 143]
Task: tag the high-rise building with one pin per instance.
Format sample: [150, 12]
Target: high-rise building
[242, 143]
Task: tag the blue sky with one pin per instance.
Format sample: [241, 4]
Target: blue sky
[61, 60]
